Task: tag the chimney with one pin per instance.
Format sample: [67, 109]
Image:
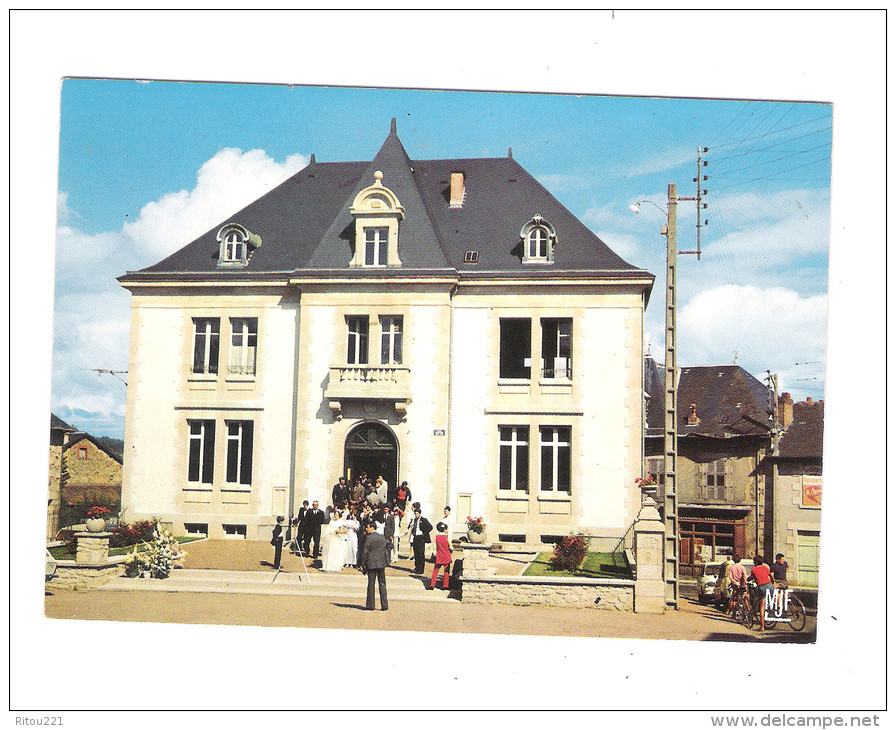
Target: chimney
[785, 409]
[457, 190]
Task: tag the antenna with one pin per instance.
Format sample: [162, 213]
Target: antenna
[114, 373]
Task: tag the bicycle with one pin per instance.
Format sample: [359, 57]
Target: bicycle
[783, 607]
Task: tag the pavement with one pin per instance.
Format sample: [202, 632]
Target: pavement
[249, 592]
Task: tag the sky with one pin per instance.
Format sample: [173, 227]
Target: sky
[147, 166]
[130, 170]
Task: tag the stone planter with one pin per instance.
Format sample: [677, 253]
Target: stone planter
[95, 525]
[476, 537]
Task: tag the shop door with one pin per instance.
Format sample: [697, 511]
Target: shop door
[807, 557]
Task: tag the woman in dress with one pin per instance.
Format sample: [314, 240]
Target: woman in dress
[353, 525]
[336, 545]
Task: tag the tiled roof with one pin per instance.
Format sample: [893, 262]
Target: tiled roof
[804, 437]
[729, 401]
[305, 224]
[86, 436]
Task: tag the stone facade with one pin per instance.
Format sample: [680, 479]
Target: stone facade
[74, 576]
[92, 472]
[380, 344]
[600, 593]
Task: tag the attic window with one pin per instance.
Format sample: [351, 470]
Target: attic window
[539, 240]
[236, 245]
[471, 257]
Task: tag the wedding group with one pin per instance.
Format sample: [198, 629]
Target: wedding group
[337, 535]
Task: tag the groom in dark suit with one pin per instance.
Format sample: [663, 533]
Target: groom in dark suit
[374, 559]
[311, 524]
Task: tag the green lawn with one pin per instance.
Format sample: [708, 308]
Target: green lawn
[61, 553]
[596, 565]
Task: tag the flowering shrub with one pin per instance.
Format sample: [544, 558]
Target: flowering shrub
[157, 558]
[569, 553]
[98, 512]
[133, 534]
[475, 524]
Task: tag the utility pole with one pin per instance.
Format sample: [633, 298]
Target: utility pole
[670, 381]
[670, 429]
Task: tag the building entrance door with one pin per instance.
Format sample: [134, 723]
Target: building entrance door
[371, 447]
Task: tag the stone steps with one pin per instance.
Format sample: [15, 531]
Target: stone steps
[335, 585]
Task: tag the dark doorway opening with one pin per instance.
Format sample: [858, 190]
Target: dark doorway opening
[371, 447]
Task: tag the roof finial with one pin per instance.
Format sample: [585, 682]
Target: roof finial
[393, 129]
[312, 160]
[510, 152]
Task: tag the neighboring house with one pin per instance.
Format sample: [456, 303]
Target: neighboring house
[793, 501]
[444, 322]
[723, 433]
[60, 433]
[94, 471]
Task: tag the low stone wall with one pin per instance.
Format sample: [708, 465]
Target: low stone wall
[73, 576]
[602, 593]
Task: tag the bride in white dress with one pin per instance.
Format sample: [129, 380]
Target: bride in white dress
[336, 545]
[351, 554]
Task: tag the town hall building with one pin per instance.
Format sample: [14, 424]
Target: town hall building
[442, 322]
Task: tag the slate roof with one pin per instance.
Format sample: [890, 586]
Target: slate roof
[306, 227]
[730, 402]
[804, 437]
[57, 422]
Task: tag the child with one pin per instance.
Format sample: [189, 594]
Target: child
[443, 557]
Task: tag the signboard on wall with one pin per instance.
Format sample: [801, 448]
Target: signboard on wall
[811, 491]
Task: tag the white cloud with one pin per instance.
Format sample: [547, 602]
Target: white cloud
[228, 182]
[92, 312]
[770, 329]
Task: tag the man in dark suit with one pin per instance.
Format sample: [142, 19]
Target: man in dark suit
[420, 529]
[341, 494]
[374, 559]
[311, 524]
[299, 524]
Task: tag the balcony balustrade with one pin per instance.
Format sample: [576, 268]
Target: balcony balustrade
[368, 382]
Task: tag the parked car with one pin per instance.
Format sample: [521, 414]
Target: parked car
[51, 566]
[709, 580]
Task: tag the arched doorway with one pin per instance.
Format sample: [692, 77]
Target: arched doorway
[371, 447]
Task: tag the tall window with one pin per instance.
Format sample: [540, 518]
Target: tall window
[376, 246]
[234, 246]
[390, 342]
[555, 458]
[556, 348]
[513, 461]
[538, 243]
[516, 349]
[357, 340]
[713, 479]
[201, 463]
[239, 452]
[243, 345]
[206, 334]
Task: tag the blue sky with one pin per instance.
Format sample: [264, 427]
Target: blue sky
[146, 166]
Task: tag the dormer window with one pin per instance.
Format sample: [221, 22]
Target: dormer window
[237, 245]
[539, 240]
[377, 213]
[376, 246]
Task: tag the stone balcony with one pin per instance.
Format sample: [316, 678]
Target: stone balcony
[369, 382]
